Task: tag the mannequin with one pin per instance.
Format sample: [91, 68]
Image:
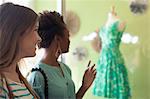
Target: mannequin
[112, 17]
[112, 79]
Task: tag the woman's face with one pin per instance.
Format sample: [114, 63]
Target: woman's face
[65, 42]
[28, 42]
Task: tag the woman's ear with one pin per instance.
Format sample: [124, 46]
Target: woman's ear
[57, 39]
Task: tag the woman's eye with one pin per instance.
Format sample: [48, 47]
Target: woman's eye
[36, 30]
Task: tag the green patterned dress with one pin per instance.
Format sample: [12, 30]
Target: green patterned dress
[111, 80]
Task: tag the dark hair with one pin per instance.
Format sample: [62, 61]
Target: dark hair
[15, 20]
[50, 25]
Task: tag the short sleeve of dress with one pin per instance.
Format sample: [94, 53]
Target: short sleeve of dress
[36, 80]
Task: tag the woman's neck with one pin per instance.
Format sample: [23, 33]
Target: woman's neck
[10, 69]
[50, 59]
[10, 72]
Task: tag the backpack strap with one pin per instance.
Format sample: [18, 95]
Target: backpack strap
[45, 80]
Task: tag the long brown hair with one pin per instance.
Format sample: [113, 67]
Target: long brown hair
[15, 20]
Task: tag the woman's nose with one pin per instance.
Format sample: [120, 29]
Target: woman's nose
[38, 38]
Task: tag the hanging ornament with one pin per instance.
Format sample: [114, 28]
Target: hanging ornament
[138, 6]
[80, 53]
[73, 22]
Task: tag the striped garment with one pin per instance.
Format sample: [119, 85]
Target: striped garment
[19, 90]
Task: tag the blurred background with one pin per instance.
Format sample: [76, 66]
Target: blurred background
[83, 18]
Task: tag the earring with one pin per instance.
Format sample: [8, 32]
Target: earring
[58, 52]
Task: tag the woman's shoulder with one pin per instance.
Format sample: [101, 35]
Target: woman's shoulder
[35, 75]
[66, 67]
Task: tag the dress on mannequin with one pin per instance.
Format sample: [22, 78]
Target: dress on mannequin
[112, 79]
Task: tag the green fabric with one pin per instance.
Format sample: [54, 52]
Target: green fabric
[111, 79]
[59, 87]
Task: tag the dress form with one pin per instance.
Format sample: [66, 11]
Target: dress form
[112, 17]
[112, 77]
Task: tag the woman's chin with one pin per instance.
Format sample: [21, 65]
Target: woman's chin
[31, 54]
[66, 51]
